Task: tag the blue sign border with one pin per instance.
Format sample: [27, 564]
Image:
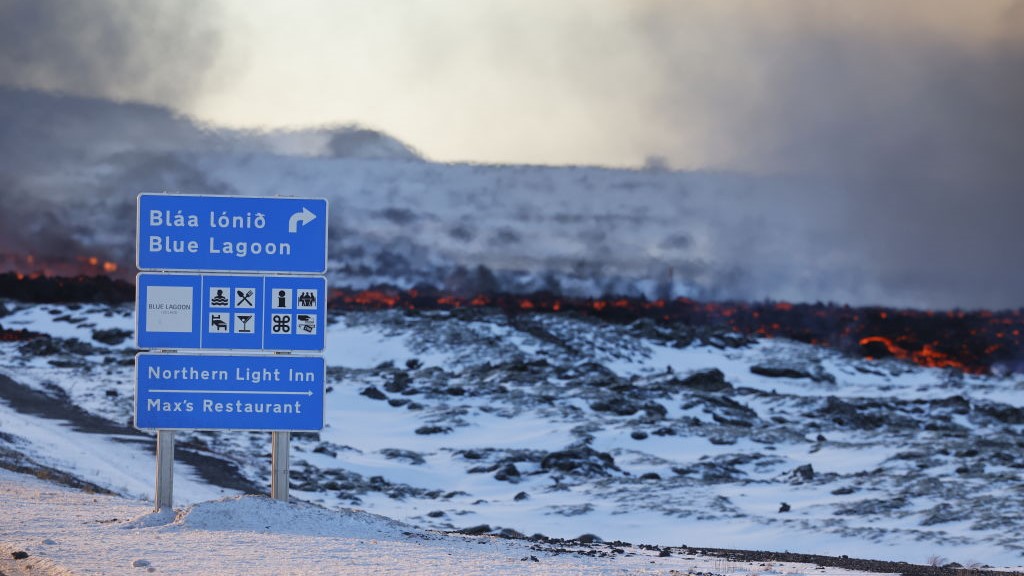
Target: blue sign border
[190, 239]
[204, 392]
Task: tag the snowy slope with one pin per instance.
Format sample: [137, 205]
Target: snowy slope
[564, 426]
[63, 532]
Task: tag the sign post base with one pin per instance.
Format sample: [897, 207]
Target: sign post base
[279, 465]
[164, 469]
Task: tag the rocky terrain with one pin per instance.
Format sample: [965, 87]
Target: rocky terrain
[559, 426]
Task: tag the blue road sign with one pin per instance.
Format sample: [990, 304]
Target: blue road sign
[231, 233]
[230, 312]
[207, 392]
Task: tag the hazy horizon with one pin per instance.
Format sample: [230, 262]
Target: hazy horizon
[908, 116]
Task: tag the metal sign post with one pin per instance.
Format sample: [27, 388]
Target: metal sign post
[279, 465]
[164, 469]
[208, 288]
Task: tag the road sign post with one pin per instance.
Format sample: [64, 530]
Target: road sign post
[279, 465]
[230, 273]
[164, 469]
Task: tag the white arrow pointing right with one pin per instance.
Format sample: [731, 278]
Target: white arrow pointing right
[304, 217]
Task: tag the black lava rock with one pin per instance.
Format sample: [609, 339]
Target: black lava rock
[476, 530]
[803, 473]
[508, 472]
[374, 393]
[582, 460]
[619, 406]
[707, 381]
[427, 430]
[817, 374]
[112, 337]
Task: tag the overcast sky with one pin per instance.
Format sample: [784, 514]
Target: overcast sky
[911, 112]
[725, 84]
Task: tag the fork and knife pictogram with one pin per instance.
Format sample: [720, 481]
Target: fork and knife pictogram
[244, 298]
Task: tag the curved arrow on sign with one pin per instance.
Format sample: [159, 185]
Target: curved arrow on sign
[304, 217]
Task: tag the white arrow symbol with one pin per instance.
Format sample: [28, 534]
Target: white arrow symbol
[305, 217]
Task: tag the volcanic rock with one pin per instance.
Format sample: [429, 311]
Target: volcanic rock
[113, 336]
[942, 513]
[845, 413]
[374, 393]
[706, 381]
[619, 406]
[427, 430]
[803, 473]
[871, 506]
[581, 460]
[398, 383]
[508, 472]
[407, 455]
[784, 371]
[1002, 412]
[956, 404]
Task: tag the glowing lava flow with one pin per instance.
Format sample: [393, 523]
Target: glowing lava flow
[974, 341]
[31, 266]
[970, 341]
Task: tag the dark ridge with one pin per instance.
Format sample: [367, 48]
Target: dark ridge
[58, 406]
[22, 464]
[49, 290]
[559, 546]
[972, 341]
[976, 341]
[845, 562]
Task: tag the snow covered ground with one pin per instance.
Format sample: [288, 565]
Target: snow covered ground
[553, 425]
[65, 532]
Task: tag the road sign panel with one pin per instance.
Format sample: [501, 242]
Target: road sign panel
[231, 233]
[213, 392]
[230, 312]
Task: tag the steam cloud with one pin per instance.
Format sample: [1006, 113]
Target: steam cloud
[892, 130]
[902, 123]
[158, 52]
[910, 118]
